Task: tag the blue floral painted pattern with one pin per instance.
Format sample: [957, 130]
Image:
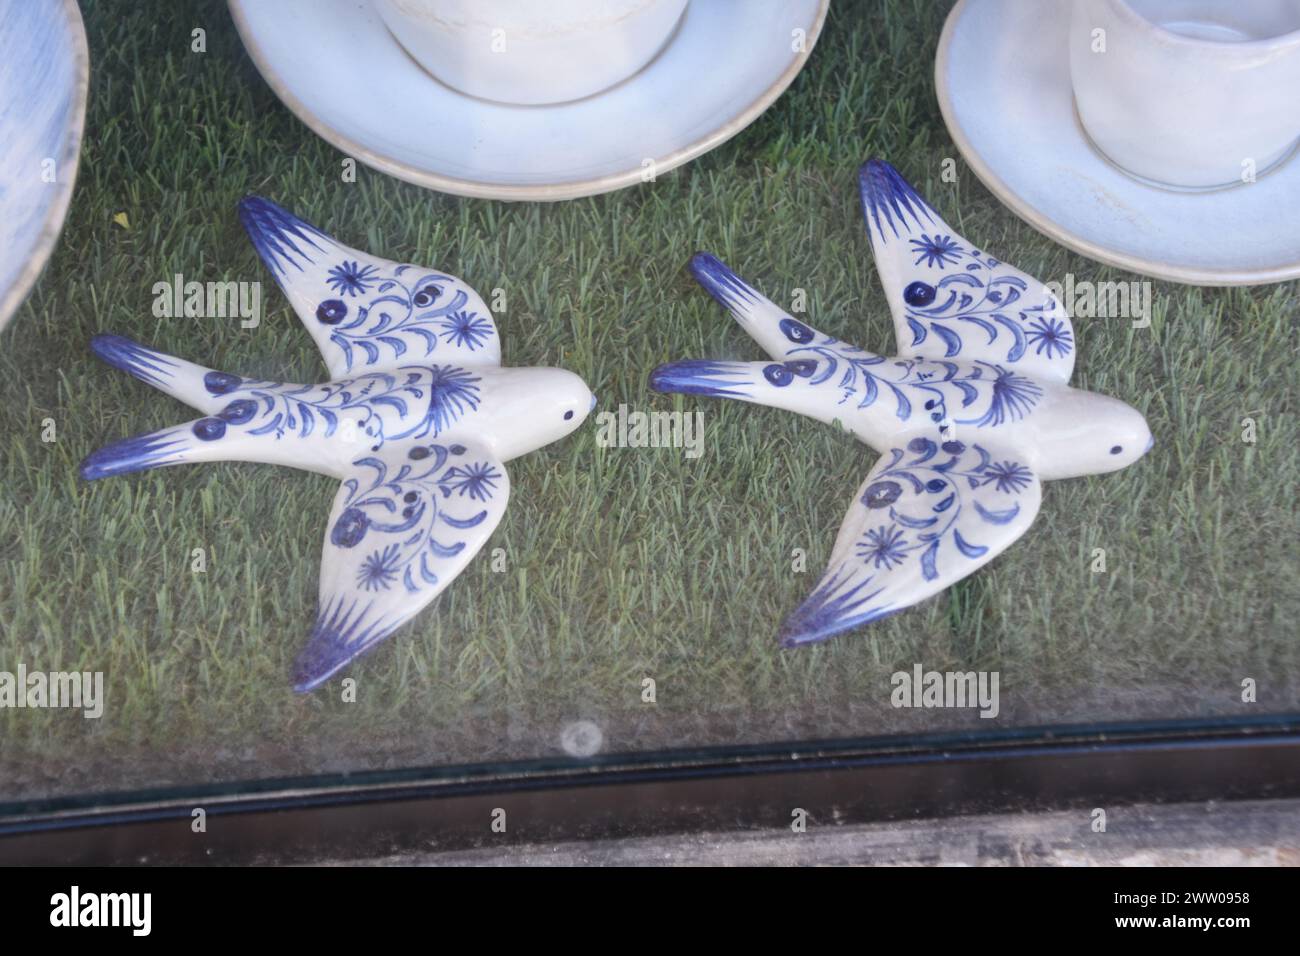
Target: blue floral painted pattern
[407, 313]
[988, 393]
[959, 302]
[400, 518]
[942, 479]
[410, 402]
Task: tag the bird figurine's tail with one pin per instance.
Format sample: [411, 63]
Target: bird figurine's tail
[200, 388]
[205, 389]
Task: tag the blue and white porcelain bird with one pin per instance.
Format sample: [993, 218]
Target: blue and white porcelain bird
[969, 419]
[417, 421]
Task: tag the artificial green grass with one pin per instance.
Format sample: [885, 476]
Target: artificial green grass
[622, 564]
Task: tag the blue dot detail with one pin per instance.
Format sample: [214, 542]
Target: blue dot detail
[331, 311]
[219, 383]
[881, 494]
[796, 331]
[209, 429]
[238, 412]
[350, 528]
[919, 294]
[778, 375]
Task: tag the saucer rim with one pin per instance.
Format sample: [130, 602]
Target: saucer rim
[1060, 232]
[538, 192]
[51, 228]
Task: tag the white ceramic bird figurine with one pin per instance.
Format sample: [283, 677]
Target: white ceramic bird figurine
[417, 421]
[969, 418]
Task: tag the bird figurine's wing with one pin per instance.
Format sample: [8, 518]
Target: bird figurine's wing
[365, 312]
[928, 515]
[949, 298]
[405, 522]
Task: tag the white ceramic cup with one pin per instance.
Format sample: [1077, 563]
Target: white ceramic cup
[531, 51]
[1188, 93]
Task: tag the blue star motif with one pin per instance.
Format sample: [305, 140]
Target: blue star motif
[1009, 476]
[467, 329]
[937, 250]
[478, 480]
[379, 570]
[1049, 335]
[350, 277]
[884, 547]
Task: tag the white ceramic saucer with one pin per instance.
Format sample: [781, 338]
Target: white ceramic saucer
[44, 70]
[334, 63]
[1003, 82]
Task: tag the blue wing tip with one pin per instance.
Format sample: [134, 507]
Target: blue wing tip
[130, 454]
[132, 357]
[694, 377]
[808, 624]
[253, 204]
[664, 377]
[705, 263]
[889, 200]
[832, 609]
[117, 350]
[719, 280]
[877, 177]
[277, 233]
[804, 627]
[339, 636]
[105, 343]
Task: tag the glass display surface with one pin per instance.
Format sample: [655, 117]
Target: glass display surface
[633, 595]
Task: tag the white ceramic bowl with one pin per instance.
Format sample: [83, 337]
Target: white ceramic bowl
[44, 69]
[527, 53]
[1189, 93]
[337, 66]
[1002, 76]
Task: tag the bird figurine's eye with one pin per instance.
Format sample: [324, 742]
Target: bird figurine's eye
[1115, 450]
[426, 296]
[568, 415]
